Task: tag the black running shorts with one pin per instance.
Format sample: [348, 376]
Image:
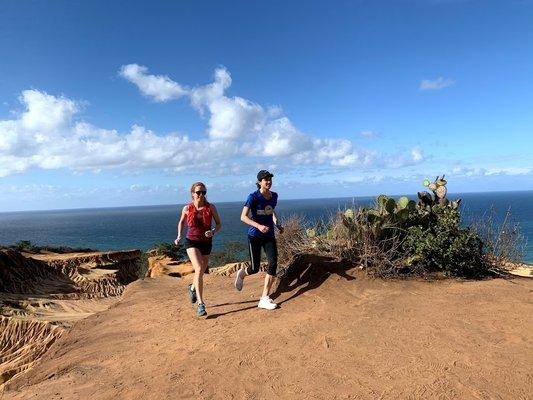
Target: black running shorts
[204, 246]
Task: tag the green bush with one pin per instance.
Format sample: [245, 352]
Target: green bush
[444, 246]
[29, 247]
[176, 252]
[142, 266]
[25, 245]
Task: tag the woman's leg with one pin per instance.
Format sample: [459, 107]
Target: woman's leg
[198, 264]
[205, 260]
[271, 251]
[254, 247]
[269, 279]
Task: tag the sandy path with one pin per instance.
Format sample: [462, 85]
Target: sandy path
[345, 339]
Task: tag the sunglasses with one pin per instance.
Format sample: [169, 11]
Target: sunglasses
[199, 192]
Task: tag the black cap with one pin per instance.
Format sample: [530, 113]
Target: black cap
[263, 174]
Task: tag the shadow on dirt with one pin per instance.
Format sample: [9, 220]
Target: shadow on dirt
[307, 272]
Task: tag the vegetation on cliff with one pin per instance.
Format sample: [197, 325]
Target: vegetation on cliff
[29, 247]
[407, 237]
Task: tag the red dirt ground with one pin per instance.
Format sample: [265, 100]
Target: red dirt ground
[340, 337]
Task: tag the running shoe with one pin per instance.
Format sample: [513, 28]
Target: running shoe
[266, 303]
[192, 294]
[201, 310]
[239, 280]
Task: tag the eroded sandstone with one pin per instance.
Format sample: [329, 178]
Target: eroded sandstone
[42, 295]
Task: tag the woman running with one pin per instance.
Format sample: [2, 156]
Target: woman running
[198, 214]
[262, 220]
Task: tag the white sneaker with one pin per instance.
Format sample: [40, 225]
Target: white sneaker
[239, 280]
[267, 303]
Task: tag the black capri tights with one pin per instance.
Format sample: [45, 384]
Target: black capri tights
[271, 251]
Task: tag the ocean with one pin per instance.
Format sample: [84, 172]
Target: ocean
[143, 227]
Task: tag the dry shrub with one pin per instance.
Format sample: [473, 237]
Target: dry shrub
[504, 242]
[377, 251]
[232, 252]
[382, 258]
[338, 240]
[294, 240]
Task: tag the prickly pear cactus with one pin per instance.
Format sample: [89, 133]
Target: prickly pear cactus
[441, 192]
[390, 206]
[438, 187]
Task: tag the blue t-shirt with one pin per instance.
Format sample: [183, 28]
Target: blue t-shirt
[262, 213]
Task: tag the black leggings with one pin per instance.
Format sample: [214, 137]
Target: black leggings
[271, 251]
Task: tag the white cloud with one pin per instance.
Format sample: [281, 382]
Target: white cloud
[34, 189]
[467, 171]
[204, 95]
[436, 84]
[414, 157]
[509, 171]
[234, 118]
[370, 134]
[342, 153]
[266, 132]
[158, 87]
[241, 135]
[416, 154]
[148, 189]
[46, 113]
[280, 138]
[81, 146]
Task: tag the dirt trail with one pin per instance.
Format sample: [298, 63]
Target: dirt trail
[340, 337]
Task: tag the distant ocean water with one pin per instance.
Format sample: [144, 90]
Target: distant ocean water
[142, 227]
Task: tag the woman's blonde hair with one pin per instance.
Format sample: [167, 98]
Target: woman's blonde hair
[195, 184]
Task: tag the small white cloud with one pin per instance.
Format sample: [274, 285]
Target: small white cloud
[370, 134]
[467, 171]
[436, 84]
[416, 154]
[460, 170]
[509, 171]
[414, 157]
[159, 87]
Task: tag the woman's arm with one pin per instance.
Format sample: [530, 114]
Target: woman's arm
[277, 224]
[180, 224]
[218, 224]
[249, 221]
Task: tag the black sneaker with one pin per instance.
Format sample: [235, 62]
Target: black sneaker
[192, 293]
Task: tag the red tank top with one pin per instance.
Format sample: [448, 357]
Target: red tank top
[198, 222]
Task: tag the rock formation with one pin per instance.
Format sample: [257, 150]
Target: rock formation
[41, 295]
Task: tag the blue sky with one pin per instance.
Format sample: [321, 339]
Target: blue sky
[127, 102]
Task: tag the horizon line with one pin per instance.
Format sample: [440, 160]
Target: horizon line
[235, 201]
